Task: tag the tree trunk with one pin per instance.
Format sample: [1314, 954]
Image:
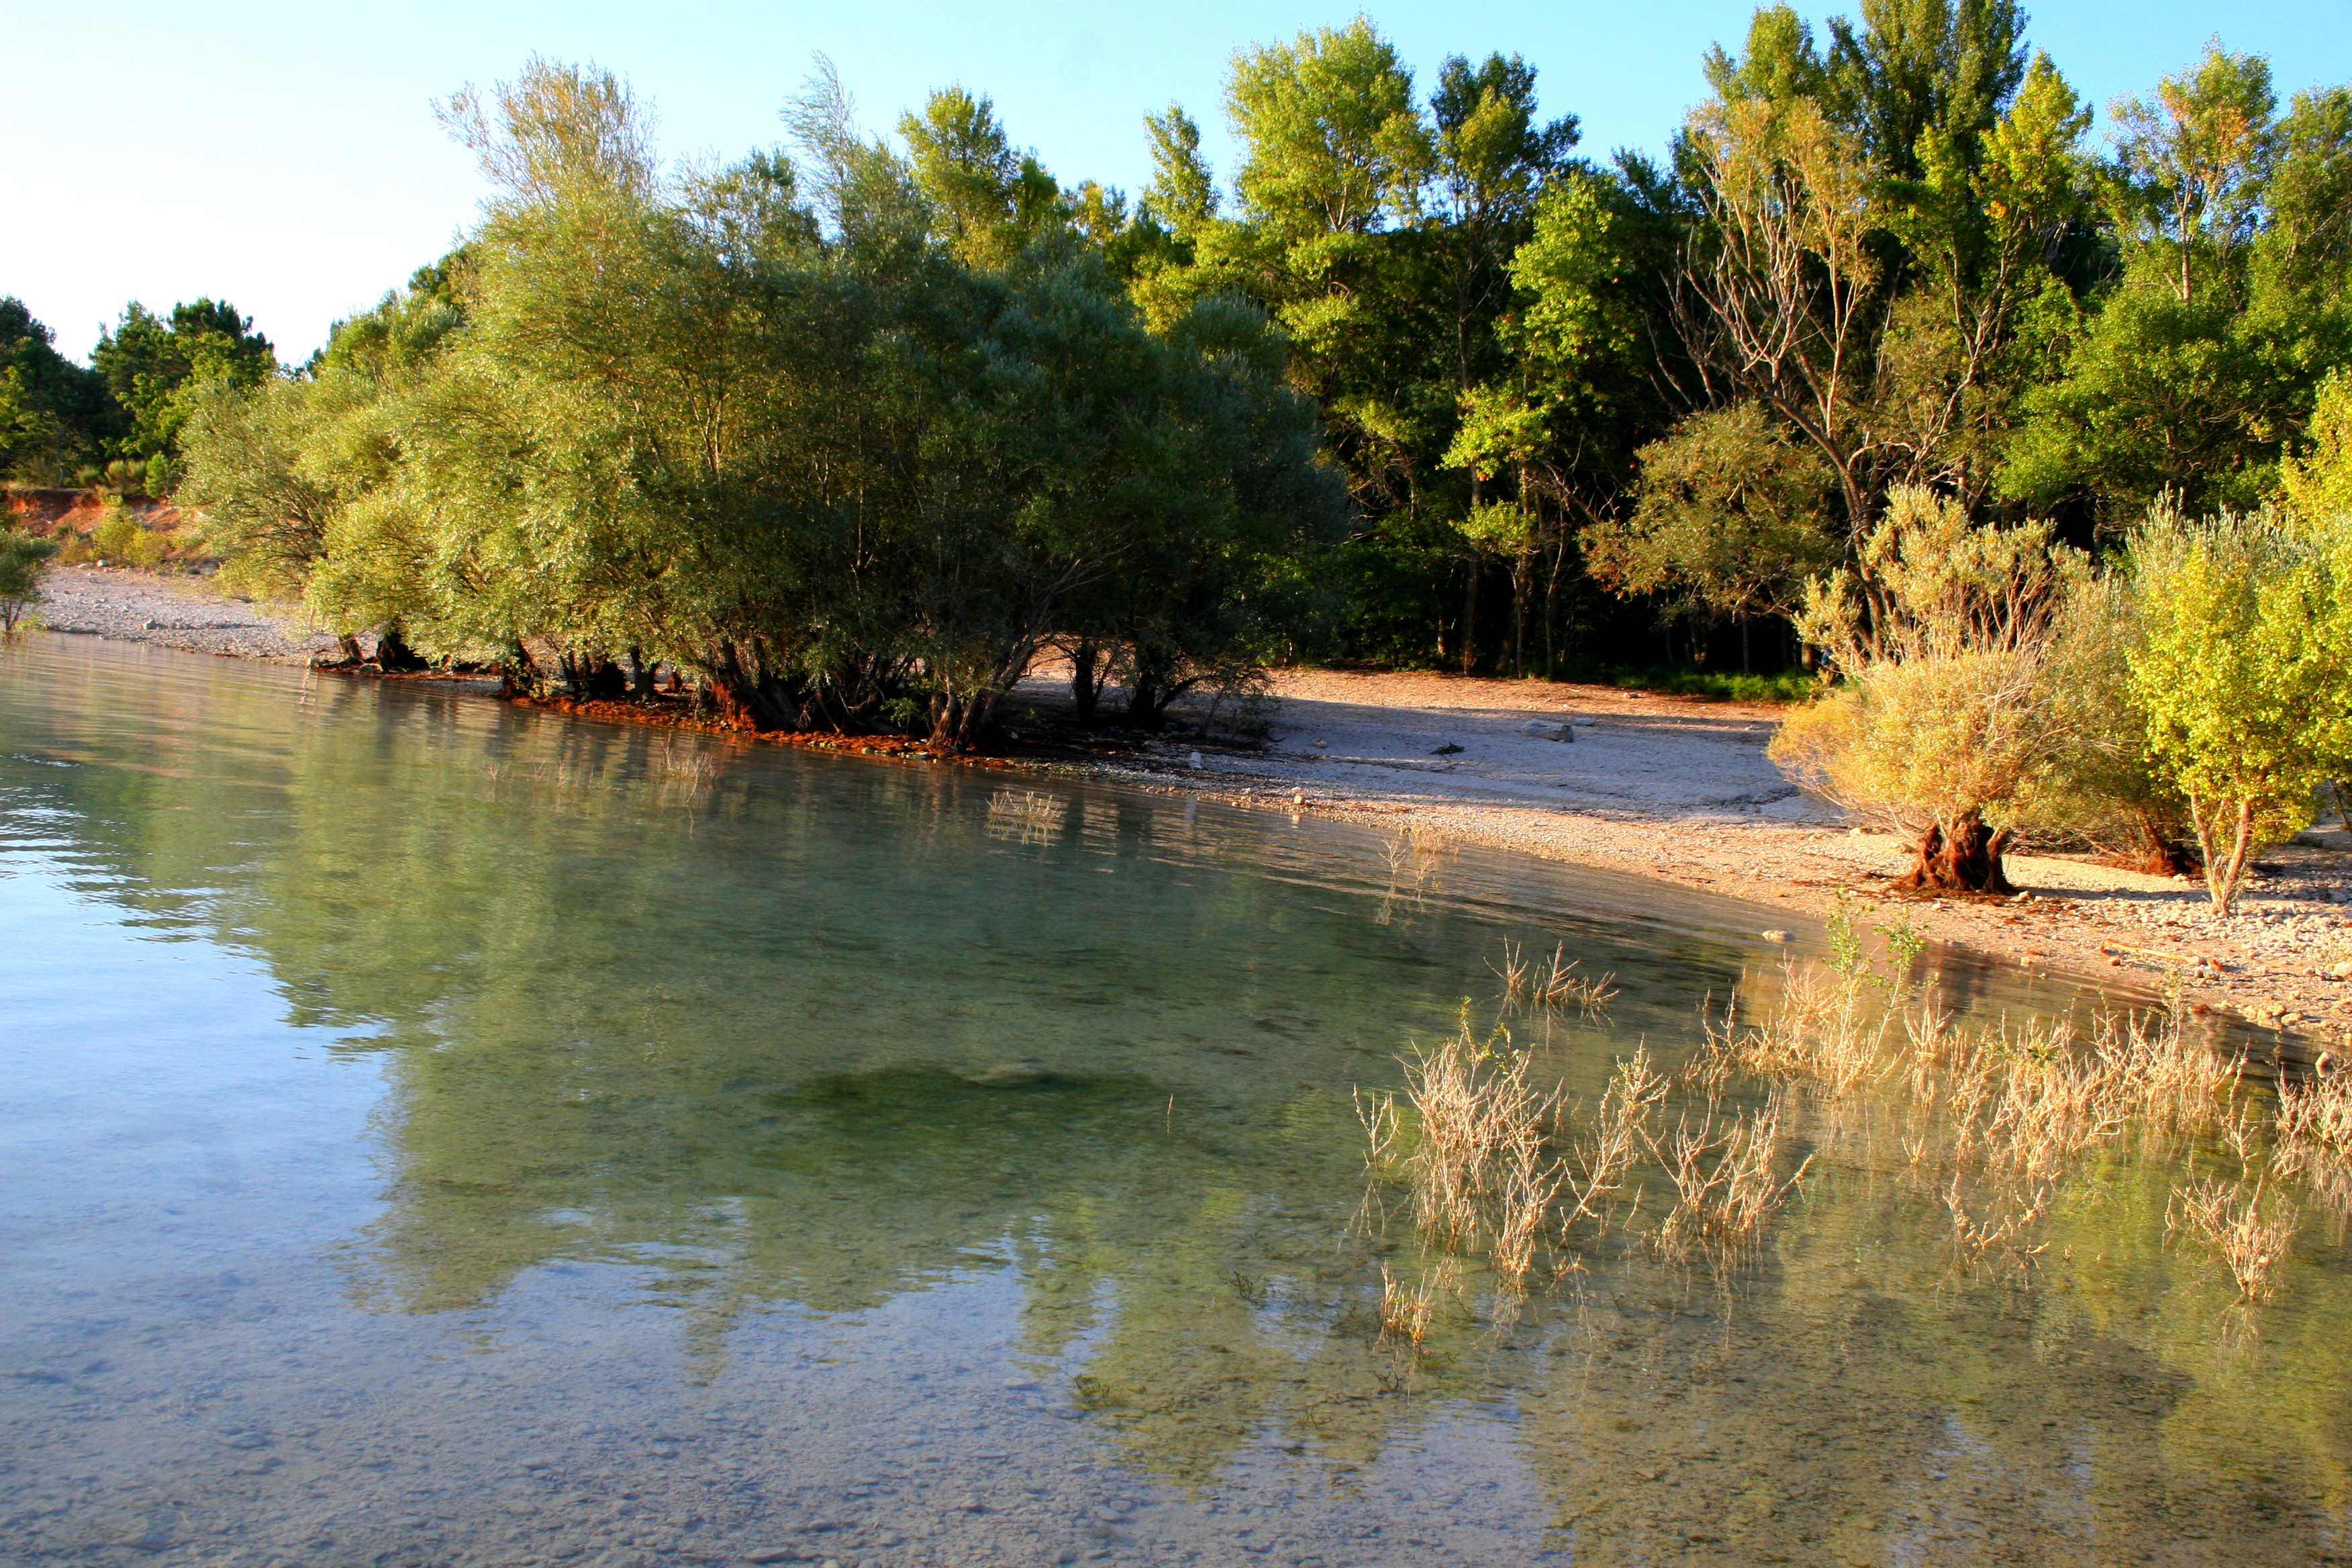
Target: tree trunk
[2156, 853]
[347, 651]
[605, 680]
[747, 696]
[1551, 606]
[1520, 573]
[1964, 857]
[1086, 691]
[641, 674]
[958, 721]
[2224, 868]
[518, 675]
[1470, 619]
[1146, 706]
[392, 652]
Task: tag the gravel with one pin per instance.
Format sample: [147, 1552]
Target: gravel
[185, 613]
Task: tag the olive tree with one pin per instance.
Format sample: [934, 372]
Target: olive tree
[1942, 717]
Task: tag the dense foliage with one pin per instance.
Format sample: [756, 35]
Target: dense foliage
[118, 422]
[850, 431]
[840, 438]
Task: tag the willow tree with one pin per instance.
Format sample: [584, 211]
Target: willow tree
[781, 425]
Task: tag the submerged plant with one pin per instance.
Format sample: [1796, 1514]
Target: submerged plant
[2313, 1138]
[1619, 1132]
[1532, 1184]
[2230, 1217]
[1553, 982]
[1824, 1027]
[1475, 1111]
[1407, 1313]
[1997, 1236]
[1726, 1176]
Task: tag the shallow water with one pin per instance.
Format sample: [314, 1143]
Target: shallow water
[432, 1132]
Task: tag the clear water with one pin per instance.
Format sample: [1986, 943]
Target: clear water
[432, 1132]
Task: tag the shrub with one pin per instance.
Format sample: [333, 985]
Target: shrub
[2102, 788]
[120, 537]
[2240, 667]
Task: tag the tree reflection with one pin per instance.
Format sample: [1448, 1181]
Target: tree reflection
[772, 1031]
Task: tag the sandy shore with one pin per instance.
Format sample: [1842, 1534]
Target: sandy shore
[1681, 789]
[1669, 787]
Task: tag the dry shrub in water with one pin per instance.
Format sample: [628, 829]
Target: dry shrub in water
[1483, 1161]
[1824, 1027]
[1411, 861]
[2008, 1111]
[1619, 1131]
[2230, 1218]
[2153, 1072]
[1406, 1314]
[1997, 1237]
[2314, 1138]
[1026, 816]
[1553, 982]
[2316, 1117]
[1515, 972]
[2052, 1103]
[1532, 1184]
[1477, 1115]
[1726, 1177]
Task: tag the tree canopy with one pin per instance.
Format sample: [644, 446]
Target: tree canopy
[854, 426]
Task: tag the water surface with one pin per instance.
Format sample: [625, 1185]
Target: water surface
[435, 1132]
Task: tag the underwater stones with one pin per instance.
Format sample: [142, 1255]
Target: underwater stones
[1008, 1075]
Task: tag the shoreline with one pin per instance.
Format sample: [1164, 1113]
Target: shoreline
[1670, 788]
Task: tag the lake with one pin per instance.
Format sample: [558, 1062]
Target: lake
[437, 1132]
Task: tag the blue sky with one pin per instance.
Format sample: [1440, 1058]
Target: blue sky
[285, 156]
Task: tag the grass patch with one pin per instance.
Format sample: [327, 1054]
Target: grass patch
[1789, 686]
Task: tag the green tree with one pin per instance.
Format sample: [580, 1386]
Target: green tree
[2192, 166]
[1923, 80]
[147, 360]
[2197, 366]
[1731, 517]
[1182, 194]
[1336, 144]
[268, 469]
[1882, 297]
[988, 201]
[850, 474]
[2316, 484]
[55, 415]
[23, 561]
